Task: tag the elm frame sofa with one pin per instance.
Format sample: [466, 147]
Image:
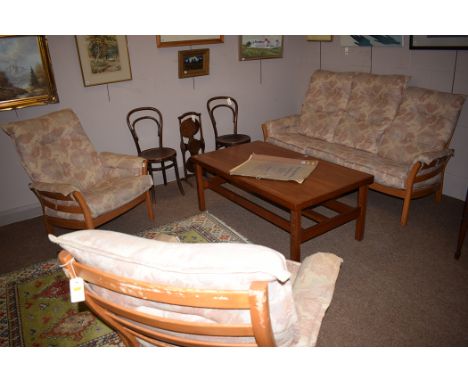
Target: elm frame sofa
[375, 124]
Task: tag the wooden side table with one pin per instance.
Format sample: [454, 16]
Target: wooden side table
[463, 225]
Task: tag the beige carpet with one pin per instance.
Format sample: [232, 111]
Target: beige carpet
[400, 286]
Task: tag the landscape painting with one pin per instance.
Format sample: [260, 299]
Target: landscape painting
[260, 47]
[26, 77]
[103, 58]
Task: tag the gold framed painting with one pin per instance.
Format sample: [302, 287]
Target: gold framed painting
[104, 59]
[260, 47]
[194, 63]
[164, 41]
[26, 77]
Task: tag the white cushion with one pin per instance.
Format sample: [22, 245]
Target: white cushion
[230, 266]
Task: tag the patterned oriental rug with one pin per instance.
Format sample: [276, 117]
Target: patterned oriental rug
[35, 307]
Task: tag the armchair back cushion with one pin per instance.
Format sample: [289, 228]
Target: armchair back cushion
[325, 103]
[55, 149]
[425, 123]
[372, 105]
[221, 266]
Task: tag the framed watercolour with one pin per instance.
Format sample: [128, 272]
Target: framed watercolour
[325, 38]
[103, 59]
[439, 42]
[194, 63]
[372, 41]
[180, 40]
[26, 77]
[260, 47]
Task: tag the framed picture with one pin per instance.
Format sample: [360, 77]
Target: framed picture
[374, 40]
[180, 40]
[103, 59]
[439, 42]
[260, 47]
[193, 63]
[26, 77]
[326, 38]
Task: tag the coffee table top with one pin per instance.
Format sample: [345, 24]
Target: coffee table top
[326, 182]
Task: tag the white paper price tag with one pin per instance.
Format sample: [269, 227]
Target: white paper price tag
[77, 289]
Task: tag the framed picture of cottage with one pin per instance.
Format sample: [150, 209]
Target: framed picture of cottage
[103, 59]
[26, 77]
[260, 47]
[194, 63]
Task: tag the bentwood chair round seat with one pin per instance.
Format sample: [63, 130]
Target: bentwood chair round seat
[155, 156]
[232, 140]
[229, 104]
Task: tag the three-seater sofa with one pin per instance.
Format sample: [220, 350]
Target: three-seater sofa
[375, 124]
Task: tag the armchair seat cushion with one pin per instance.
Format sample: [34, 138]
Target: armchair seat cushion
[109, 194]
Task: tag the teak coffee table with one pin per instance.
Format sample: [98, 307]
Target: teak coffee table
[321, 189]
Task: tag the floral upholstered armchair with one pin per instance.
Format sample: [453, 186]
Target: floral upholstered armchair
[166, 293]
[76, 186]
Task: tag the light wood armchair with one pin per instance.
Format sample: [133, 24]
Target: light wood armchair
[176, 294]
[77, 187]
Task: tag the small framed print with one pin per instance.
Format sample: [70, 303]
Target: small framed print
[103, 59]
[260, 47]
[194, 63]
[324, 38]
[165, 41]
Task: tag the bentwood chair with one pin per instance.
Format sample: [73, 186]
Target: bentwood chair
[155, 156]
[210, 294]
[191, 139]
[77, 187]
[229, 104]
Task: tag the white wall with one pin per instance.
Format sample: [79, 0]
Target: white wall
[265, 90]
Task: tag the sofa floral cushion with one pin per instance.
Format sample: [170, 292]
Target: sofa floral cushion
[55, 149]
[386, 171]
[219, 266]
[372, 105]
[425, 123]
[325, 103]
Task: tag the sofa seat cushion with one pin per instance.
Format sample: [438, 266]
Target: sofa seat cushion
[386, 172]
[325, 103]
[54, 148]
[424, 123]
[229, 266]
[372, 105]
[107, 195]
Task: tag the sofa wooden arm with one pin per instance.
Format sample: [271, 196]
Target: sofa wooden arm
[279, 124]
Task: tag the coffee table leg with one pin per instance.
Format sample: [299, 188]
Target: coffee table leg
[200, 187]
[361, 220]
[295, 250]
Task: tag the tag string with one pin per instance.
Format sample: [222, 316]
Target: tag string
[70, 263]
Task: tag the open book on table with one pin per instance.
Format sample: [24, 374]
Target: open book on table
[277, 168]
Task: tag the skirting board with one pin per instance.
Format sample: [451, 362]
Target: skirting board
[20, 213]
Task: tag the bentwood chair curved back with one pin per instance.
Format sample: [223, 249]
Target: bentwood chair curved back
[230, 104]
[158, 155]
